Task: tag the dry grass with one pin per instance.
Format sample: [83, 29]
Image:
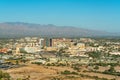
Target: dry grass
[35, 72]
[39, 72]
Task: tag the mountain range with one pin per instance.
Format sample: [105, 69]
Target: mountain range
[21, 29]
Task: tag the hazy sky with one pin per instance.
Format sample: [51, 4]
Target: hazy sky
[91, 14]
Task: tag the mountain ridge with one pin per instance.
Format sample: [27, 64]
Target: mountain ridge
[21, 29]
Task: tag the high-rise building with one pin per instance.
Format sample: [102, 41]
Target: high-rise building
[42, 42]
[50, 42]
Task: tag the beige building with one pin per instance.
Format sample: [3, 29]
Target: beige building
[51, 49]
[61, 42]
[75, 49]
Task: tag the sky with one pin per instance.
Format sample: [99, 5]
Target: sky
[101, 15]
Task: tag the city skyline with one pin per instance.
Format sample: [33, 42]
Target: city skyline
[101, 15]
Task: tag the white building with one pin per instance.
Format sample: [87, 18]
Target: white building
[31, 49]
[41, 42]
[115, 53]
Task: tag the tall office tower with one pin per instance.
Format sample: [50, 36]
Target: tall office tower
[42, 42]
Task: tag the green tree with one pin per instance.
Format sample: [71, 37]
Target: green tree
[111, 69]
[17, 62]
[96, 67]
[4, 76]
[95, 54]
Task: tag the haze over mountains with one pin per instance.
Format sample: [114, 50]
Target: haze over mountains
[21, 29]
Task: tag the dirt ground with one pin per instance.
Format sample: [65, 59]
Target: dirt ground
[39, 72]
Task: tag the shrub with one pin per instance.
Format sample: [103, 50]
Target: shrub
[66, 72]
[5, 76]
